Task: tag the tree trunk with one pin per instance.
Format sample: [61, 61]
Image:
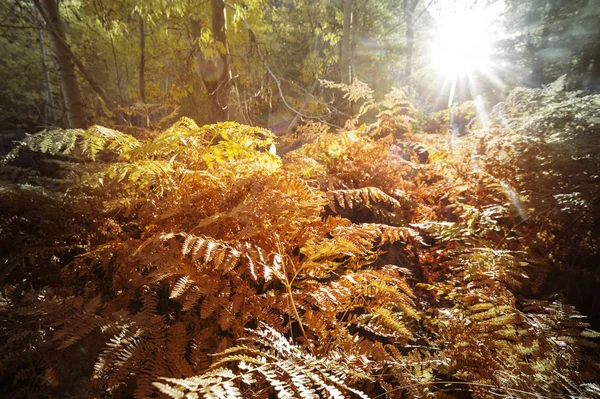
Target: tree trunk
[59, 42]
[409, 14]
[221, 77]
[141, 82]
[345, 68]
[594, 78]
[214, 71]
[117, 72]
[537, 60]
[49, 108]
[66, 70]
[345, 71]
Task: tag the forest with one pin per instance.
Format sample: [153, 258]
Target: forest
[376, 199]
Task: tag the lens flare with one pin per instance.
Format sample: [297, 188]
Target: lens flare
[463, 43]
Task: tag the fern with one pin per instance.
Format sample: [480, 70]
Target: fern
[87, 143]
[343, 269]
[274, 364]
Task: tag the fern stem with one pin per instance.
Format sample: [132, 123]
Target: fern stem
[288, 287]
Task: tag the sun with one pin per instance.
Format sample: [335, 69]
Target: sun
[463, 43]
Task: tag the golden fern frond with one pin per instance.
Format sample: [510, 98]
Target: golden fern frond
[331, 309]
[370, 197]
[356, 245]
[563, 322]
[142, 348]
[443, 232]
[218, 383]
[483, 265]
[184, 139]
[364, 288]
[386, 323]
[211, 252]
[98, 138]
[120, 349]
[274, 364]
[396, 102]
[134, 176]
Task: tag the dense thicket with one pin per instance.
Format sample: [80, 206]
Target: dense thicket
[371, 262]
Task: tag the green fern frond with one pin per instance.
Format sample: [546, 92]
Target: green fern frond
[77, 142]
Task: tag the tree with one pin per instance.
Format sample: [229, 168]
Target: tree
[549, 38]
[345, 56]
[141, 80]
[345, 68]
[213, 66]
[24, 97]
[409, 16]
[74, 106]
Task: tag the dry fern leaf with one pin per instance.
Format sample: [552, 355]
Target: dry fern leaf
[271, 363]
[383, 322]
[211, 252]
[356, 245]
[369, 197]
[357, 292]
[224, 256]
[218, 383]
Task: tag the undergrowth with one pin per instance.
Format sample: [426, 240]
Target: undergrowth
[199, 263]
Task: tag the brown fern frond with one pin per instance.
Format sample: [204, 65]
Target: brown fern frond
[371, 198]
[385, 323]
[356, 245]
[274, 364]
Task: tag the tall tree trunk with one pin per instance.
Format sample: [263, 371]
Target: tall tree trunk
[214, 71]
[117, 72]
[345, 57]
[219, 94]
[141, 82]
[409, 15]
[61, 46]
[49, 108]
[345, 71]
[66, 70]
[537, 60]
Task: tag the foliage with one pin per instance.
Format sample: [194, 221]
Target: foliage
[22, 90]
[457, 117]
[395, 107]
[200, 263]
[276, 51]
[544, 144]
[288, 369]
[550, 38]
